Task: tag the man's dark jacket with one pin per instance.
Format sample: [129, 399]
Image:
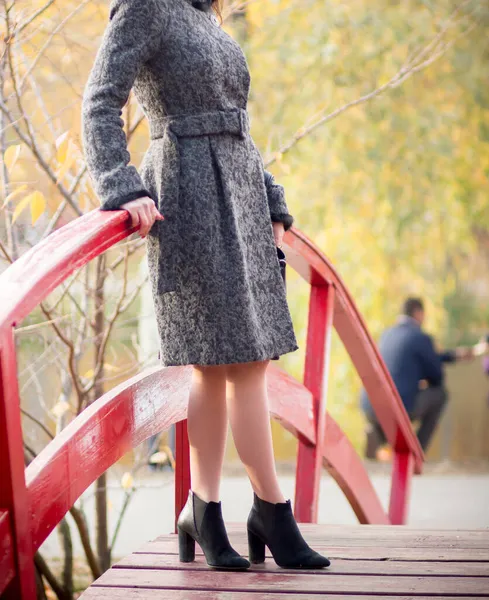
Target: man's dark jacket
[410, 357]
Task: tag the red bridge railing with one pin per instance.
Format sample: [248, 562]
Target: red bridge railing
[34, 500]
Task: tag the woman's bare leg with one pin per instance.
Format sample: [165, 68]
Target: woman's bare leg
[207, 429]
[250, 423]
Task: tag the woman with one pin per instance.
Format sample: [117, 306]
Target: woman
[212, 217]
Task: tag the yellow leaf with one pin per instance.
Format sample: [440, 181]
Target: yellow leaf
[62, 144]
[13, 194]
[38, 206]
[11, 155]
[89, 373]
[127, 481]
[20, 207]
[110, 368]
[69, 159]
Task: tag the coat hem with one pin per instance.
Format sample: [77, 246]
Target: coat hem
[231, 360]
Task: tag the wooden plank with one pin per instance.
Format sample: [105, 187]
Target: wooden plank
[382, 532]
[373, 552]
[145, 594]
[103, 593]
[340, 566]
[301, 582]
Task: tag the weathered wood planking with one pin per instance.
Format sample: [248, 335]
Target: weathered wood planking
[375, 570]
[379, 552]
[134, 594]
[301, 582]
[145, 594]
[339, 566]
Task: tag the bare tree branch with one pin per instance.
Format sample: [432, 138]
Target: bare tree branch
[79, 518]
[38, 423]
[416, 62]
[34, 16]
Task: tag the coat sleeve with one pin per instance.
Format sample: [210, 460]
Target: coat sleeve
[131, 37]
[276, 202]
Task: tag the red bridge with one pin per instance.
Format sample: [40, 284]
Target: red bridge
[390, 561]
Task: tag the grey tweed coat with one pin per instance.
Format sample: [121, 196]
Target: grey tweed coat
[215, 275]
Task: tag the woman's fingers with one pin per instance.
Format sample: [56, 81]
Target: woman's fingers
[157, 215]
[143, 214]
[135, 220]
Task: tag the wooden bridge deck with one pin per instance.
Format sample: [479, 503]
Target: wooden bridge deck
[368, 562]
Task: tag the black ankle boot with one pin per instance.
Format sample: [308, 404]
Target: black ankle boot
[202, 522]
[274, 525]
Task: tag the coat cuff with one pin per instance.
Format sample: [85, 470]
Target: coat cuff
[116, 203]
[284, 218]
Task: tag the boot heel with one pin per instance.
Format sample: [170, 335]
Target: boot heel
[186, 546]
[256, 549]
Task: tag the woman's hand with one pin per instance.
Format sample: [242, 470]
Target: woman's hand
[143, 214]
[278, 233]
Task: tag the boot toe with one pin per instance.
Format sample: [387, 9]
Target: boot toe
[232, 563]
[317, 561]
[309, 560]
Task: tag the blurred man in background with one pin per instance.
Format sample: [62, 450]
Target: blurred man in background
[417, 370]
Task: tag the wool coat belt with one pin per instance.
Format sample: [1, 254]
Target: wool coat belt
[234, 121]
[169, 130]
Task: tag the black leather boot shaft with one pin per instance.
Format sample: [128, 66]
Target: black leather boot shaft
[274, 525]
[202, 522]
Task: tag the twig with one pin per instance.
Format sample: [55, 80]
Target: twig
[37, 422]
[46, 572]
[81, 525]
[411, 66]
[34, 16]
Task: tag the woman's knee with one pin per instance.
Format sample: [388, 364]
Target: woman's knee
[209, 372]
[239, 370]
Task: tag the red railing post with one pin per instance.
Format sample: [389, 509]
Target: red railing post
[13, 492]
[402, 471]
[182, 467]
[309, 457]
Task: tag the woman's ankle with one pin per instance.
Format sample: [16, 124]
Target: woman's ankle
[205, 495]
[270, 496]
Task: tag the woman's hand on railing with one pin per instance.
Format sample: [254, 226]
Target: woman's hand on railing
[143, 214]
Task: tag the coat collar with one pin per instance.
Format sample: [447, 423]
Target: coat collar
[407, 320]
[204, 5]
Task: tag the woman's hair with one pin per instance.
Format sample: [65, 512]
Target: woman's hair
[217, 6]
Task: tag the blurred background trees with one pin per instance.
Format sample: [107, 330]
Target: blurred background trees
[375, 118]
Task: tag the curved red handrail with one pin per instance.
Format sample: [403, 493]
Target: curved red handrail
[35, 274]
[308, 260]
[132, 412]
[31, 278]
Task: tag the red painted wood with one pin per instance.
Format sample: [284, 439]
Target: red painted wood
[122, 419]
[292, 405]
[108, 593]
[13, 493]
[402, 470]
[182, 468]
[338, 566]
[308, 260]
[7, 563]
[132, 412]
[36, 273]
[255, 581]
[344, 465]
[309, 457]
